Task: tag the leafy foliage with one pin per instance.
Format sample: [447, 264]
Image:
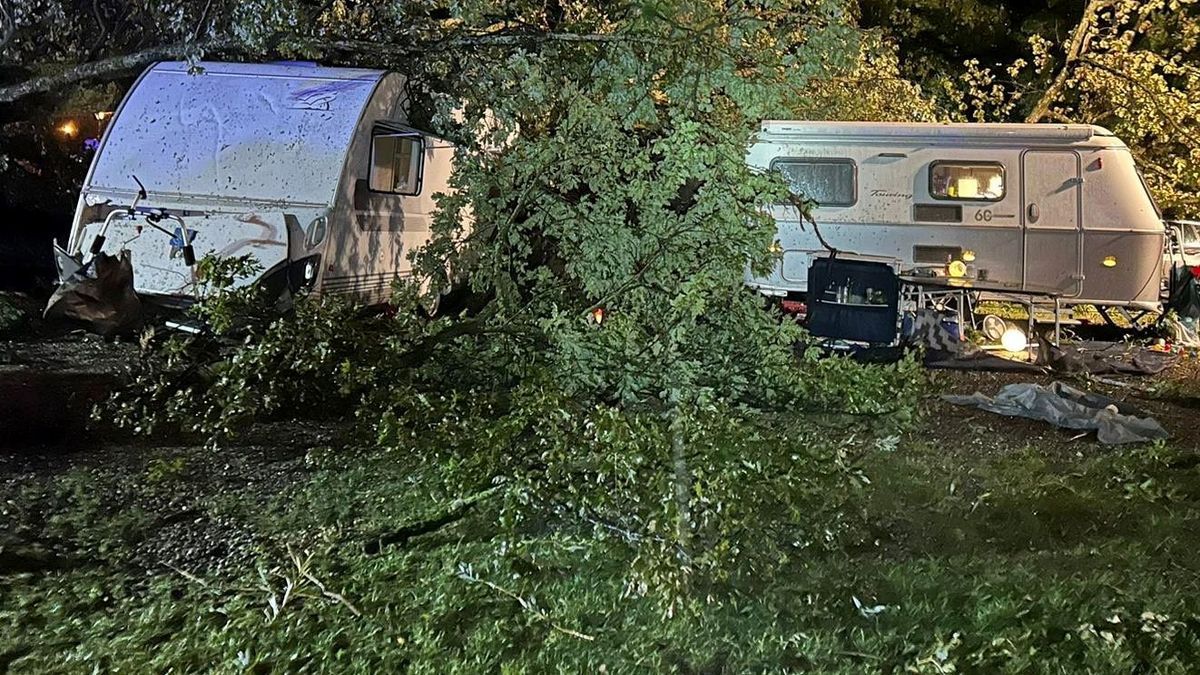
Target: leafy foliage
[601, 172]
[12, 317]
[1035, 562]
[1128, 65]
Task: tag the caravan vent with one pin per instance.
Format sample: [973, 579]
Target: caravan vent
[937, 213]
[937, 255]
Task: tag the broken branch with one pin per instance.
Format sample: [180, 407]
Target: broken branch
[1079, 40]
[105, 69]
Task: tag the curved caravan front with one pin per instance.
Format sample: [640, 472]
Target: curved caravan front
[254, 159]
[1036, 207]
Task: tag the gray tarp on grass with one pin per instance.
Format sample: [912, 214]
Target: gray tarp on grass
[1070, 408]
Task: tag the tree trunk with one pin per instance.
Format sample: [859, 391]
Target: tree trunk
[682, 485]
[1078, 45]
[103, 70]
[117, 66]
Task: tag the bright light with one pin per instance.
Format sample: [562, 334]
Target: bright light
[957, 269]
[968, 256]
[68, 129]
[1109, 261]
[1014, 340]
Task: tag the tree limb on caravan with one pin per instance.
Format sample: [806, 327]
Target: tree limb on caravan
[117, 66]
[106, 69]
[8, 27]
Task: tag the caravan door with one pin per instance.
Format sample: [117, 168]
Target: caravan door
[1052, 218]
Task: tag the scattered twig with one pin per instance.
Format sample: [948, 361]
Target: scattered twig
[467, 574]
[331, 595]
[187, 575]
[455, 512]
[861, 655]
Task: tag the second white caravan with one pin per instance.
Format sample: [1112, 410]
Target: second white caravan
[1031, 206]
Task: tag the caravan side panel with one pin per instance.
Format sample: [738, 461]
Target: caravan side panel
[894, 213]
[364, 253]
[375, 228]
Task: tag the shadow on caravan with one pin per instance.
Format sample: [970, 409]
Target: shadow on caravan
[1059, 207]
[310, 170]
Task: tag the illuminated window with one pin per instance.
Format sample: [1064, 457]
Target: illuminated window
[396, 163]
[828, 182]
[969, 181]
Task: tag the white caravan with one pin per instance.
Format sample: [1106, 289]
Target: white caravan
[1043, 207]
[310, 170]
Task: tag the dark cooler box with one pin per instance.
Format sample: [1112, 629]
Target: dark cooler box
[853, 300]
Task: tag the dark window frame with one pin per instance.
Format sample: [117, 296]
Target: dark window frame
[969, 163]
[397, 130]
[844, 161]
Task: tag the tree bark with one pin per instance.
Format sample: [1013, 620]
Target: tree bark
[682, 485]
[1078, 45]
[117, 66]
[104, 69]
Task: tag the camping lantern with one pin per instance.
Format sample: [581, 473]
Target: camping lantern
[1014, 340]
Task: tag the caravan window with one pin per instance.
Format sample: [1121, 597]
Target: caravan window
[828, 182]
[396, 163]
[969, 181]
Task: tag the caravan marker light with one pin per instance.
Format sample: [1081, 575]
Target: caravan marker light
[1014, 340]
[1109, 261]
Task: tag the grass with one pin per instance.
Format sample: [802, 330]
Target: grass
[1036, 558]
[12, 315]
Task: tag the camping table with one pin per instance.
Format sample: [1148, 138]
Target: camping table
[928, 290]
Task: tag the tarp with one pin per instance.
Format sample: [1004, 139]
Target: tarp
[1185, 292]
[1070, 408]
[100, 296]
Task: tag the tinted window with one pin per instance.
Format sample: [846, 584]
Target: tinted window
[396, 163]
[970, 181]
[828, 182]
[937, 213]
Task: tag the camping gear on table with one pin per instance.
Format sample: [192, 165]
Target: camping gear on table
[858, 300]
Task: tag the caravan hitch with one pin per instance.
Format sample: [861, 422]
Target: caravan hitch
[153, 217]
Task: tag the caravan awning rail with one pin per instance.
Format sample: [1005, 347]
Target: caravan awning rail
[973, 131]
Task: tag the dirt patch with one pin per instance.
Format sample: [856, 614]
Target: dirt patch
[150, 507]
[49, 387]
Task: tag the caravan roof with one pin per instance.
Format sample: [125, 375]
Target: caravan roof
[967, 133]
[271, 132]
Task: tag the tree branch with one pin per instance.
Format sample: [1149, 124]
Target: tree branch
[114, 67]
[1150, 93]
[8, 27]
[105, 69]
[1079, 40]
